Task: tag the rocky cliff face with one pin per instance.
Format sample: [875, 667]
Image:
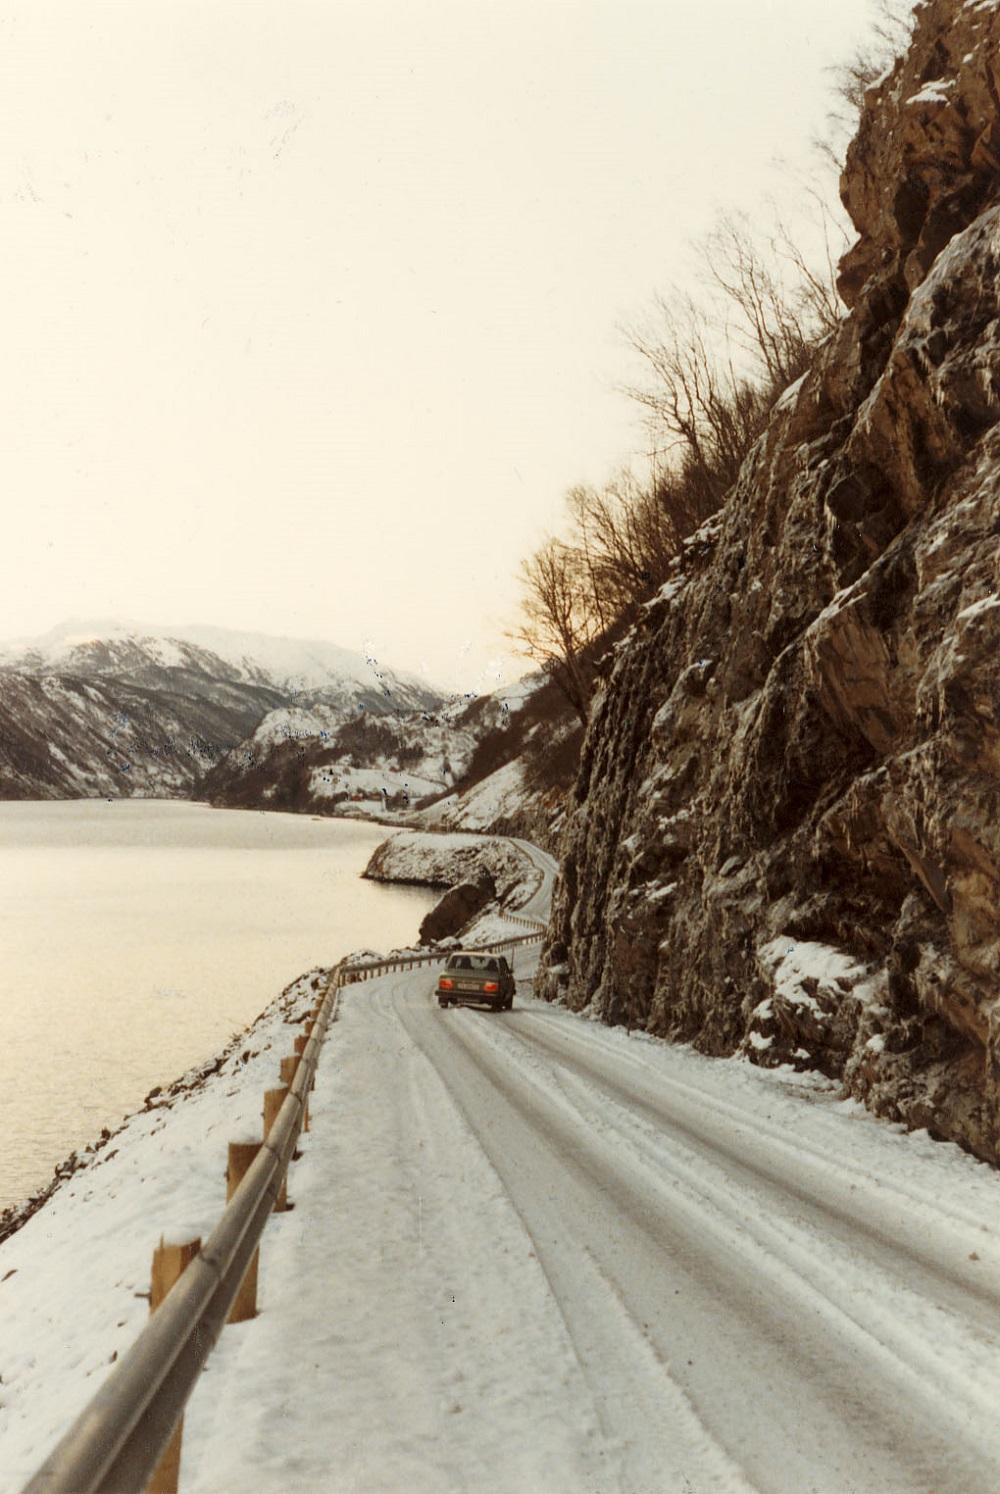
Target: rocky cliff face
[785, 835]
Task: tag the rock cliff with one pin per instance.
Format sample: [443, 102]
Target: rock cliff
[785, 834]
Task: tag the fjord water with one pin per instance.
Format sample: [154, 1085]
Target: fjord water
[138, 936]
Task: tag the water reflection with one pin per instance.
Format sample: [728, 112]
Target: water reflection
[139, 935]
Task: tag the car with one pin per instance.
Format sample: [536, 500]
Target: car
[473, 977]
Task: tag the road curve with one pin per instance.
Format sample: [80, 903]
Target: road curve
[538, 904]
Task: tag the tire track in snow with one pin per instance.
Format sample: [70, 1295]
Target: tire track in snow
[793, 1241]
[645, 1413]
[708, 1104]
[851, 1393]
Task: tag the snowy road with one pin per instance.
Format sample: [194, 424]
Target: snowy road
[532, 1254]
[538, 904]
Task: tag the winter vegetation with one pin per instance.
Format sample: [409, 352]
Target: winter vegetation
[713, 361]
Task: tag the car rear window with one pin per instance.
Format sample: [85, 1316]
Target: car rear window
[472, 962]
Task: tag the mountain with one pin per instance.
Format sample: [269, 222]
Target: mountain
[784, 838]
[497, 762]
[113, 709]
[294, 667]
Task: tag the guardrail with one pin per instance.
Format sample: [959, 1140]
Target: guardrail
[366, 969]
[128, 1437]
[528, 923]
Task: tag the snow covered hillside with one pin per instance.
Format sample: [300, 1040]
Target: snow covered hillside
[430, 768]
[521, 771]
[290, 666]
[68, 736]
[318, 759]
[109, 710]
[246, 720]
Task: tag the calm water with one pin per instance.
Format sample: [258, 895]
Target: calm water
[138, 936]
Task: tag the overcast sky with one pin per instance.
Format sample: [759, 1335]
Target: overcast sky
[312, 309]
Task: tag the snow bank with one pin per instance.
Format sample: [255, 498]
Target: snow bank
[73, 1278]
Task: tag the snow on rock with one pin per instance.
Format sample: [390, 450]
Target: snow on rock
[809, 986]
[935, 91]
[295, 723]
[801, 968]
[448, 859]
[985, 604]
[842, 758]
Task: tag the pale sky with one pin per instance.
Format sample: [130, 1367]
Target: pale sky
[311, 310]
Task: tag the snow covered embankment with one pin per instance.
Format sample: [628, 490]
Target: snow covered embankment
[446, 860]
[74, 1276]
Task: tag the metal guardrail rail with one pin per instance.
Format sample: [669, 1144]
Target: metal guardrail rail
[116, 1442]
[362, 969]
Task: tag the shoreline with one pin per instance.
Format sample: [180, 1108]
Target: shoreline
[14, 1216]
[162, 1096]
[143, 935]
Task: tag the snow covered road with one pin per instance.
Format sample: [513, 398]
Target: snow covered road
[540, 901]
[530, 1254]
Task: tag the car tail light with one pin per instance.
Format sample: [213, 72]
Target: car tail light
[444, 984]
[491, 985]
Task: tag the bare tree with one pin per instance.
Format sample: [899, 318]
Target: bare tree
[557, 620]
[712, 373]
[767, 319]
[704, 414]
[889, 34]
[626, 536]
[814, 278]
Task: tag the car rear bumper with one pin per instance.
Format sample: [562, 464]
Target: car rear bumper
[471, 998]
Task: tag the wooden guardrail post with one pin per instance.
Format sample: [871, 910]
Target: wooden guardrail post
[288, 1070]
[273, 1101]
[169, 1262]
[241, 1154]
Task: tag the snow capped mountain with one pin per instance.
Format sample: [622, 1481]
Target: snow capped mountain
[292, 666]
[121, 709]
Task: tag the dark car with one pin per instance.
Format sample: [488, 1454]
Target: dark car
[471, 978]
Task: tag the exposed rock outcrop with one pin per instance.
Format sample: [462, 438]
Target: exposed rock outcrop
[785, 834]
[456, 908]
[426, 860]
